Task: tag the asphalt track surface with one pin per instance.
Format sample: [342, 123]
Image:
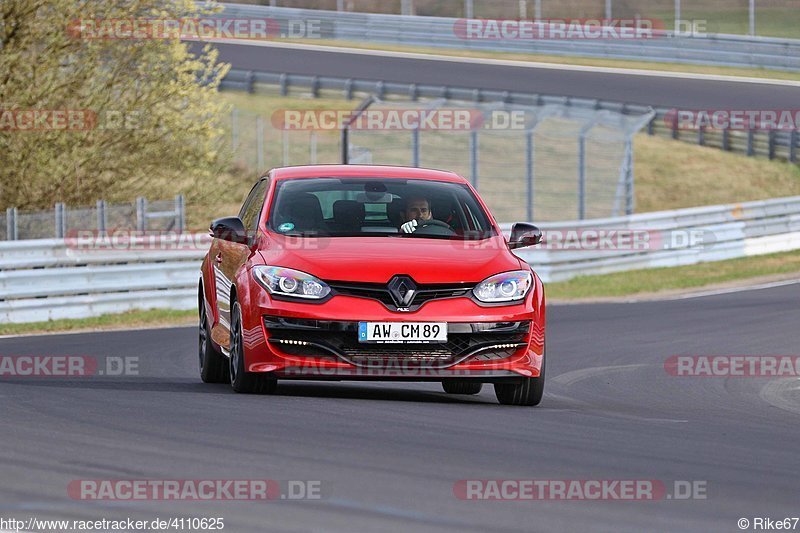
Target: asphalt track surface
[388, 454]
[654, 90]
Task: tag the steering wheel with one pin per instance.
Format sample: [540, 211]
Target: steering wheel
[434, 222]
[434, 228]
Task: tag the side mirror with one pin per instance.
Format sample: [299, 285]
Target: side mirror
[229, 229]
[524, 234]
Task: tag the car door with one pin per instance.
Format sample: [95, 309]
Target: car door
[229, 258]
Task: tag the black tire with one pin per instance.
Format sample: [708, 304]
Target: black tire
[528, 392]
[241, 380]
[457, 386]
[213, 365]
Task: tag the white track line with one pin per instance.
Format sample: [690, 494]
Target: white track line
[506, 62]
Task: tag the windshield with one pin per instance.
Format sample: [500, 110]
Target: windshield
[364, 207]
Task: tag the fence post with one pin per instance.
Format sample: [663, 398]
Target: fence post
[726, 139]
[468, 9]
[141, 214]
[180, 213]
[286, 148]
[101, 217]
[793, 146]
[235, 129]
[701, 135]
[771, 143]
[537, 13]
[345, 144]
[12, 233]
[60, 220]
[582, 175]
[677, 15]
[348, 88]
[674, 124]
[523, 9]
[251, 81]
[752, 17]
[473, 157]
[630, 198]
[415, 147]
[315, 87]
[260, 142]
[529, 174]
[283, 81]
[339, 5]
[608, 9]
[750, 150]
[312, 147]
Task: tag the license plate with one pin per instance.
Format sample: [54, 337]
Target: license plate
[402, 332]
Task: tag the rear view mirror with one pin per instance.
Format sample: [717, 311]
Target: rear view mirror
[229, 229]
[524, 234]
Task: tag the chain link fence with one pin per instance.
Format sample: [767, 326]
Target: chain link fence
[62, 220]
[549, 162]
[767, 18]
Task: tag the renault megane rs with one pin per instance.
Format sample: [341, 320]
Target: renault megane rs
[345, 272]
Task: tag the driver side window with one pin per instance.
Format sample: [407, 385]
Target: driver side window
[252, 206]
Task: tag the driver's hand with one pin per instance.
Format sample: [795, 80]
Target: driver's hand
[409, 227]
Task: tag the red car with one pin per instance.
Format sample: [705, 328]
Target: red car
[345, 272]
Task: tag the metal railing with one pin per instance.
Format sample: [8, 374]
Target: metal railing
[141, 215]
[751, 17]
[774, 144]
[52, 279]
[666, 46]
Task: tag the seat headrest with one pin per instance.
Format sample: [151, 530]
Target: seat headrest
[348, 212]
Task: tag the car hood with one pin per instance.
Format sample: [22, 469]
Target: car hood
[377, 259]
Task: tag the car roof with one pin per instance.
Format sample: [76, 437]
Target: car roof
[366, 171]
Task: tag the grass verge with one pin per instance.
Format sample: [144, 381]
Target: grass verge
[129, 320]
[676, 279]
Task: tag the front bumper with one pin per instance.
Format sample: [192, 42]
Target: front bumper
[301, 341]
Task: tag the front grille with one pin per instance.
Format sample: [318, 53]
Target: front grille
[380, 292]
[466, 341]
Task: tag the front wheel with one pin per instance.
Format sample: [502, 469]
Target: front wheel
[213, 366]
[241, 380]
[529, 391]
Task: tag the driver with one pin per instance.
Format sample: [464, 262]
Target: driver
[417, 210]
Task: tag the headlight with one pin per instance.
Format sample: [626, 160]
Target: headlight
[505, 287]
[288, 282]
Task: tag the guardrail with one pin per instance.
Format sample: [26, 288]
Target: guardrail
[666, 238]
[710, 49]
[773, 144]
[55, 278]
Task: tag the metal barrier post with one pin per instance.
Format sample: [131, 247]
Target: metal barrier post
[180, 213]
[750, 151]
[793, 146]
[60, 220]
[468, 9]
[141, 214]
[101, 216]
[11, 224]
